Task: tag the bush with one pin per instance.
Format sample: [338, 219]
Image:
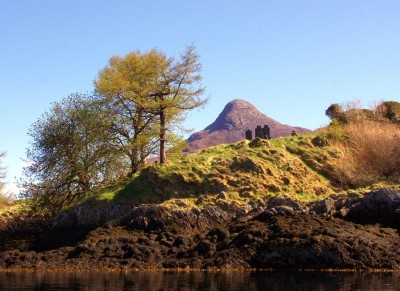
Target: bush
[371, 152]
[389, 110]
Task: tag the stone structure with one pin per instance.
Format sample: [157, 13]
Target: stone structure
[249, 134]
[267, 132]
[261, 132]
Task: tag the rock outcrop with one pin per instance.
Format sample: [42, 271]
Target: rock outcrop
[281, 233]
[381, 206]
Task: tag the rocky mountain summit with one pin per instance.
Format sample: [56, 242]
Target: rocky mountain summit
[231, 124]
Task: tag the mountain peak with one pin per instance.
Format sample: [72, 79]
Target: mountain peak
[238, 103]
[235, 115]
[230, 126]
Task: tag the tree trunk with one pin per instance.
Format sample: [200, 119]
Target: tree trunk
[134, 163]
[163, 158]
[85, 183]
[142, 161]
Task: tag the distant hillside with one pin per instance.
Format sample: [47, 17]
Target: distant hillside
[231, 124]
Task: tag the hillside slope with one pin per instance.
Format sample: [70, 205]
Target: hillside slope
[251, 204]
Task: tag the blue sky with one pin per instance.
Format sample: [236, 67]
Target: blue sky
[291, 59]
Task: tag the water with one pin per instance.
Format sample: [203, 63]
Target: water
[198, 280]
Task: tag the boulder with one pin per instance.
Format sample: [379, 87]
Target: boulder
[285, 205]
[326, 206]
[381, 206]
[319, 141]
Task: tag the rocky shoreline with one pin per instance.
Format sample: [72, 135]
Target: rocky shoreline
[335, 233]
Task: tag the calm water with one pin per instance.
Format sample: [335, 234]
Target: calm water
[198, 280]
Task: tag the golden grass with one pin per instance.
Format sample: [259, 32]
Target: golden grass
[370, 153]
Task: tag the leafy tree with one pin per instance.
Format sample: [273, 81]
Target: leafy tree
[389, 110]
[177, 90]
[151, 93]
[124, 86]
[348, 113]
[70, 153]
[335, 112]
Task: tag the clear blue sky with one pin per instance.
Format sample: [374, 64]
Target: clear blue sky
[291, 59]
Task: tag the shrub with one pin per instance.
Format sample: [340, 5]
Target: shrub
[371, 151]
[389, 110]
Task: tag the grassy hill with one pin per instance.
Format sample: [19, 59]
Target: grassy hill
[352, 158]
[343, 160]
[243, 172]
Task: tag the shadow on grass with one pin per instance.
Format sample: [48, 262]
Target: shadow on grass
[141, 189]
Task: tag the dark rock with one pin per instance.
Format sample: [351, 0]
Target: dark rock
[280, 235]
[287, 202]
[308, 242]
[382, 206]
[284, 210]
[326, 206]
[319, 141]
[273, 188]
[222, 195]
[258, 142]
[206, 248]
[286, 180]
[89, 217]
[148, 217]
[341, 213]
[246, 165]
[217, 235]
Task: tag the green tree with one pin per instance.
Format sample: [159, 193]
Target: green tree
[151, 94]
[335, 112]
[71, 152]
[389, 110]
[348, 113]
[177, 90]
[125, 84]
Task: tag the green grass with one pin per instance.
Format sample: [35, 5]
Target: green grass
[242, 172]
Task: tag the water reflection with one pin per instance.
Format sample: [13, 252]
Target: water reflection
[198, 280]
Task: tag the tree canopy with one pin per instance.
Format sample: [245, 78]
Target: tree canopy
[152, 93]
[86, 140]
[389, 110]
[352, 112]
[335, 112]
[71, 152]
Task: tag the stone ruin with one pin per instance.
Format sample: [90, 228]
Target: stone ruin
[261, 132]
